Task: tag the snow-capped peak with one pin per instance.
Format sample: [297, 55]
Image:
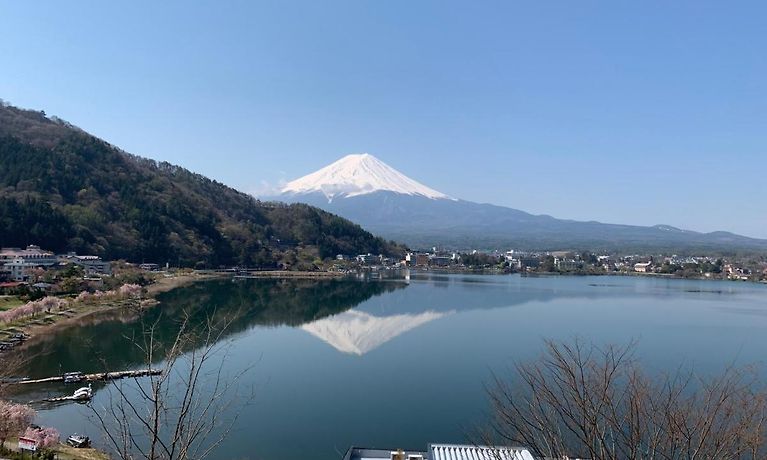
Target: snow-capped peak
[359, 174]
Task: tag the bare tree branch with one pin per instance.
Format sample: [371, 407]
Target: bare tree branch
[187, 410]
[578, 399]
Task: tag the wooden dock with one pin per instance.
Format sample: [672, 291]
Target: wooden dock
[61, 399]
[101, 376]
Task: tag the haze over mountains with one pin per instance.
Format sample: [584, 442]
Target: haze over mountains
[367, 191]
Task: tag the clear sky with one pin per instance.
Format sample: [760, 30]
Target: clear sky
[626, 112]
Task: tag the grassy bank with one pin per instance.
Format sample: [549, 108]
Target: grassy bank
[76, 313]
[62, 451]
[45, 324]
[9, 301]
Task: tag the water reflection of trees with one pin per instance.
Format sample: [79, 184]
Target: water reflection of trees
[273, 302]
[107, 341]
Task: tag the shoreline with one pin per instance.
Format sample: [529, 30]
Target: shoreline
[35, 330]
[581, 273]
[169, 283]
[163, 284]
[292, 274]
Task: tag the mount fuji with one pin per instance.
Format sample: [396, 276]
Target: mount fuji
[356, 175]
[365, 190]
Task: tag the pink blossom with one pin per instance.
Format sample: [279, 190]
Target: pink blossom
[45, 437]
[130, 290]
[25, 310]
[49, 303]
[37, 307]
[14, 418]
[17, 313]
[32, 308]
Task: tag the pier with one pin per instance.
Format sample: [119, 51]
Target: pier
[100, 376]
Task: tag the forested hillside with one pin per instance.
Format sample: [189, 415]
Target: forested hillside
[64, 189]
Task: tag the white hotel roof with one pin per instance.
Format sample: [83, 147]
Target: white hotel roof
[467, 452]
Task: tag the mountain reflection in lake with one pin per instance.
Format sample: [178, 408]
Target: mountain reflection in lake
[248, 303]
[402, 362]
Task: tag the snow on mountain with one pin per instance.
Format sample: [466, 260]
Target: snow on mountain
[384, 201]
[359, 174]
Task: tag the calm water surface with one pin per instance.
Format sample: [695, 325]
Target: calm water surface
[402, 362]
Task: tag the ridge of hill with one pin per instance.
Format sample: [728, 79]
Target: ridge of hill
[66, 190]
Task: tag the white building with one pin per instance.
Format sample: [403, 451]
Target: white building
[368, 259]
[567, 264]
[93, 265]
[32, 254]
[20, 263]
[643, 267]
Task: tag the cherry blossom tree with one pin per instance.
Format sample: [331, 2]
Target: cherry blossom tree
[32, 308]
[130, 290]
[49, 303]
[27, 309]
[84, 297]
[14, 418]
[45, 437]
[17, 313]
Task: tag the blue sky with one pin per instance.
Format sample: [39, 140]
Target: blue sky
[626, 112]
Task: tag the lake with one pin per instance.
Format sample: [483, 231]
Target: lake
[402, 362]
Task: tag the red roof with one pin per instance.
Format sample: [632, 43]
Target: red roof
[11, 284]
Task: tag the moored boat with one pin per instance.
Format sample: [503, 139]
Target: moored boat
[78, 441]
[83, 393]
[73, 377]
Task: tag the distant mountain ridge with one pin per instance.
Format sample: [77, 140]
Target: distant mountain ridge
[406, 213]
[66, 190]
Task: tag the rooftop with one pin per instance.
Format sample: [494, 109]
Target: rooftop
[363, 453]
[467, 452]
[29, 251]
[441, 452]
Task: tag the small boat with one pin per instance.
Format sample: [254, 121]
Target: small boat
[78, 441]
[73, 377]
[83, 393]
